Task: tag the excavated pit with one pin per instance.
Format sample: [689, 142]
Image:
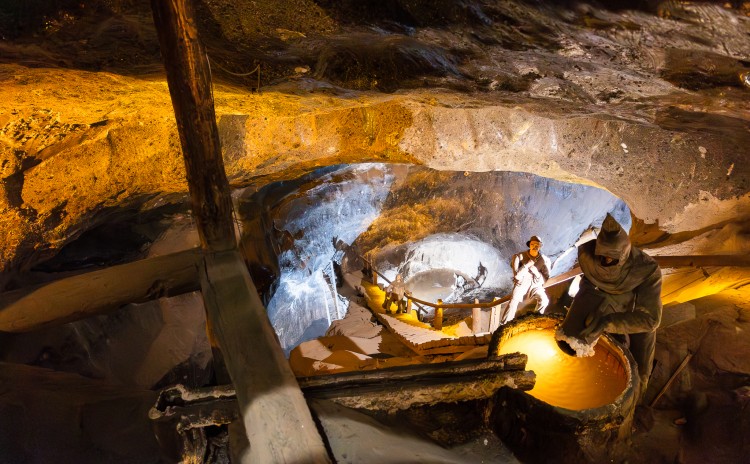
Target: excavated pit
[430, 226]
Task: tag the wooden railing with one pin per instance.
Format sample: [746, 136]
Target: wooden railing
[476, 307]
[663, 261]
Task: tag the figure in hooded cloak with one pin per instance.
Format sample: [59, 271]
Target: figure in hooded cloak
[620, 294]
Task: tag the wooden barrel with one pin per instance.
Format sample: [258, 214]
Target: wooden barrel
[578, 408]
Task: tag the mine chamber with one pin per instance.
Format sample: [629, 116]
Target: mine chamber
[302, 238]
[441, 231]
[433, 227]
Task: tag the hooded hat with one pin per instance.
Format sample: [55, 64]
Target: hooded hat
[534, 238]
[612, 242]
[631, 268]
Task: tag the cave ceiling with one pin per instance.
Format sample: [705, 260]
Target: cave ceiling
[647, 101]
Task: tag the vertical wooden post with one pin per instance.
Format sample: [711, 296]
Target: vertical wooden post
[476, 318]
[408, 305]
[189, 82]
[277, 421]
[495, 316]
[437, 323]
[367, 270]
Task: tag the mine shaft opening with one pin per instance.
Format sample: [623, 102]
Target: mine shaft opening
[449, 234]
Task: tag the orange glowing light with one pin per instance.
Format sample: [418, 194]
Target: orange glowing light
[567, 381]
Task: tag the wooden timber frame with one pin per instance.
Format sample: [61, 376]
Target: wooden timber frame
[422, 384]
[278, 423]
[407, 386]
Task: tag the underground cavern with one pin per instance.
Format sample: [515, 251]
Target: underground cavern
[204, 203]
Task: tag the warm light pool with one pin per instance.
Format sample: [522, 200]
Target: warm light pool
[566, 381]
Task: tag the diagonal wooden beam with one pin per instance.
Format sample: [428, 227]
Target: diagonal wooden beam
[703, 261]
[278, 424]
[189, 82]
[277, 421]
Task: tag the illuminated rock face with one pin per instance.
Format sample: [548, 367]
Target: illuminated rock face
[327, 211]
[661, 123]
[426, 225]
[652, 108]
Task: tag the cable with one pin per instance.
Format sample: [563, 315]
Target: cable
[257, 68]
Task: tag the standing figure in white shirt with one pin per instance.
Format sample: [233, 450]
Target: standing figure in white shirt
[530, 272]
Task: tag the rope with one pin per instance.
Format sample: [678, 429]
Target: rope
[420, 309]
[257, 69]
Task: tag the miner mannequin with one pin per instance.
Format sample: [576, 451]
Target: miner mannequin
[620, 293]
[394, 293]
[530, 271]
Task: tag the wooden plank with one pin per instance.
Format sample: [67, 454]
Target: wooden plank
[485, 338]
[278, 423]
[671, 262]
[703, 260]
[404, 395]
[422, 384]
[562, 277]
[97, 292]
[495, 318]
[479, 351]
[450, 349]
[413, 372]
[476, 318]
[429, 342]
[467, 340]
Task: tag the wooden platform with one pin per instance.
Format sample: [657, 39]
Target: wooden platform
[418, 336]
[427, 341]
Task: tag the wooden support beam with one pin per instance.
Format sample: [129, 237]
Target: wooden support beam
[96, 292]
[674, 375]
[673, 262]
[401, 387]
[496, 316]
[703, 261]
[437, 322]
[406, 394]
[278, 423]
[476, 318]
[189, 80]
[378, 379]
[576, 271]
